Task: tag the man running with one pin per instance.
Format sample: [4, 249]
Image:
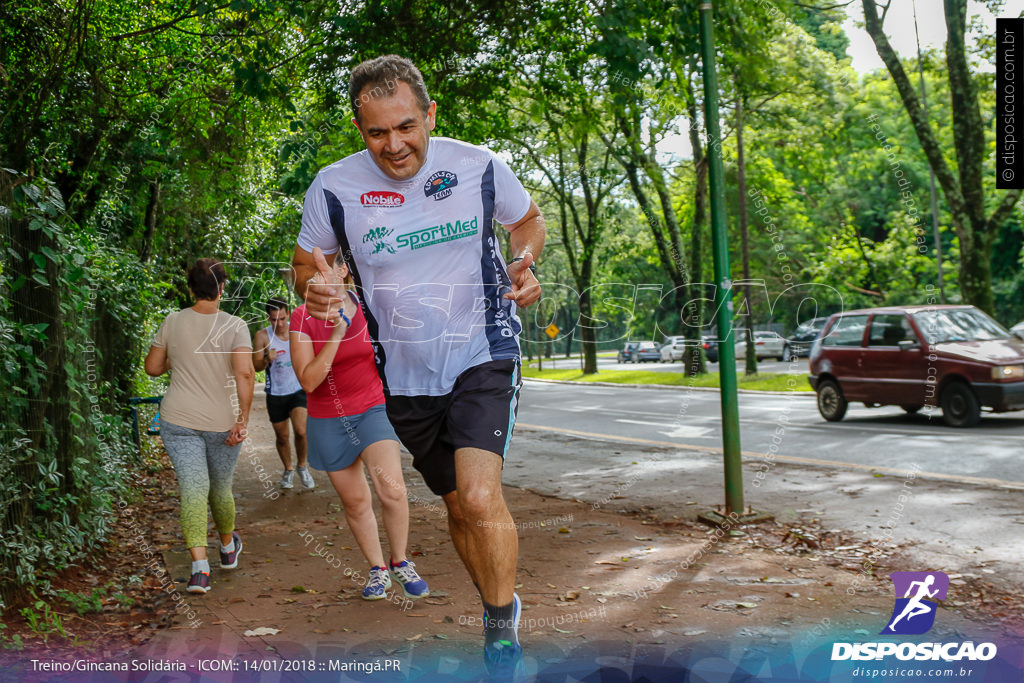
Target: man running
[915, 606]
[413, 218]
[285, 397]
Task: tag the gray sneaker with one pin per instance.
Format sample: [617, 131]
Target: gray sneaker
[286, 479]
[306, 477]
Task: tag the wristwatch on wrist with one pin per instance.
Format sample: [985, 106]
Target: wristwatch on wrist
[533, 266]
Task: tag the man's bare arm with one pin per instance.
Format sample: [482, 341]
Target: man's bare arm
[260, 344]
[527, 238]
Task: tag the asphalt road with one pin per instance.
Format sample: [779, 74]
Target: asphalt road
[881, 438]
[563, 363]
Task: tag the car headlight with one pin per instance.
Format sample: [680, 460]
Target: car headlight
[1008, 372]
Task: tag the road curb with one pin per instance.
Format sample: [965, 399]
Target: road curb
[808, 394]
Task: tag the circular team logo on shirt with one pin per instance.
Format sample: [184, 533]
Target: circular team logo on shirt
[439, 185]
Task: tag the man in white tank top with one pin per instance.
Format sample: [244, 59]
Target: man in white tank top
[285, 398]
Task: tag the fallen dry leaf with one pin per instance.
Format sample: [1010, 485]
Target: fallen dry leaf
[262, 631]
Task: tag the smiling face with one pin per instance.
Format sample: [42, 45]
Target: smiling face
[396, 130]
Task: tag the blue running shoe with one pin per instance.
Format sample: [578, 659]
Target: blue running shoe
[405, 574]
[504, 658]
[377, 585]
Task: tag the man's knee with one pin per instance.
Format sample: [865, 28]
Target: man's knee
[281, 441]
[455, 516]
[480, 500]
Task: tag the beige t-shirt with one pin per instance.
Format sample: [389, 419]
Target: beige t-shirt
[202, 394]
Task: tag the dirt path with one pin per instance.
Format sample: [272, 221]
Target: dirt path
[585, 576]
[596, 586]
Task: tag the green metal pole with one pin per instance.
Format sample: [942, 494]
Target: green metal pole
[723, 291]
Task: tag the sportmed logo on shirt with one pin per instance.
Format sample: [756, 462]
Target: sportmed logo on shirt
[446, 232]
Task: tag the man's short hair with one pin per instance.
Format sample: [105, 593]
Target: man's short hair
[276, 304]
[206, 277]
[380, 76]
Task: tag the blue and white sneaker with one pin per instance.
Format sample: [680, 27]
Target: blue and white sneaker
[405, 574]
[504, 658]
[377, 585]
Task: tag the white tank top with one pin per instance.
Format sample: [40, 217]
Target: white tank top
[281, 379]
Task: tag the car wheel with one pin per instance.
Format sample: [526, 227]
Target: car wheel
[831, 403]
[960, 406]
[788, 356]
[910, 410]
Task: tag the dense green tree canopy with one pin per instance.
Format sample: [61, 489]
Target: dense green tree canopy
[137, 136]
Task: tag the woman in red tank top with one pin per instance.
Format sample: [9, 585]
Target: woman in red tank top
[348, 428]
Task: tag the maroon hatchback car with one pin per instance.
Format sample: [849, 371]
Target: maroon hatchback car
[955, 357]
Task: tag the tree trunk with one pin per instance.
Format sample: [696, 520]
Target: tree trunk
[965, 197]
[588, 335]
[152, 207]
[695, 314]
[748, 305]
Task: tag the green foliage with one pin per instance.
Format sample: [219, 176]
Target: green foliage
[57, 493]
[82, 603]
[42, 619]
[13, 643]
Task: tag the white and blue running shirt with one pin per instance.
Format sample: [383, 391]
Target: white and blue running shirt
[425, 259]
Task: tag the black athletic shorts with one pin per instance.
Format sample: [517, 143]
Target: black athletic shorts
[279, 408]
[480, 412]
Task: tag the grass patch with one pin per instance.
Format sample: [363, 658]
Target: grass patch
[767, 381]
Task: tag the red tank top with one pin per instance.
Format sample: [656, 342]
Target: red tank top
[352, 385]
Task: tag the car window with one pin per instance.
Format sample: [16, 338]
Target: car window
[890, 330]
[957, 325]
[848, 331]
[810, 328]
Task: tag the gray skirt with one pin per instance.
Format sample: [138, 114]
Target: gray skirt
[336, 442]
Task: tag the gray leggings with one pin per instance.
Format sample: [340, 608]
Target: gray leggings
[205, 466]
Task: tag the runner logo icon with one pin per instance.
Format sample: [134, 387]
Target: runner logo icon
[917, 596]
[378, 236]
[439, 185]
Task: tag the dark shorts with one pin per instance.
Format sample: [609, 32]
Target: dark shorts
[336, 442]
[279, 408]
[480, 412]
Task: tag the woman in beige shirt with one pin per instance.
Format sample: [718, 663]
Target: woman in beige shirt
[203, 416]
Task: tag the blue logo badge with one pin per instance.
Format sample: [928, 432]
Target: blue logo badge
[917, 596]
[439, 185]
